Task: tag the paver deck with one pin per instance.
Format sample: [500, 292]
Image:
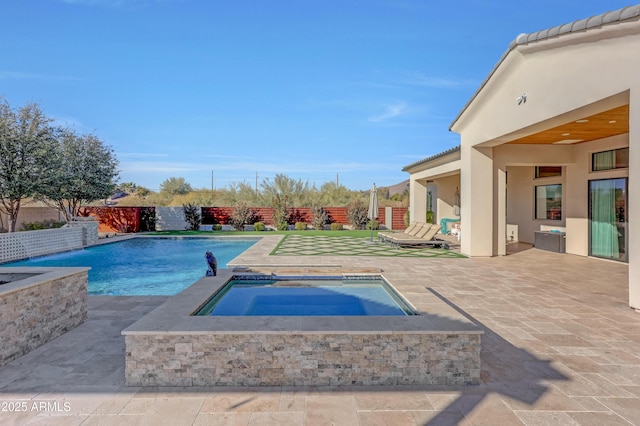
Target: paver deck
[561, 346]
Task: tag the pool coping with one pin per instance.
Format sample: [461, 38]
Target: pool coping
[174, 317]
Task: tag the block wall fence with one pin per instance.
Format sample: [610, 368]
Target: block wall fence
[128, 219]
[26, 244]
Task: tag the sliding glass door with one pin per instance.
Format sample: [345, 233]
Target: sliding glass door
[608, 218]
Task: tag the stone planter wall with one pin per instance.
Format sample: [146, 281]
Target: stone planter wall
[39, 308]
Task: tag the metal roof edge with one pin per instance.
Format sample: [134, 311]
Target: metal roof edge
[431, 158]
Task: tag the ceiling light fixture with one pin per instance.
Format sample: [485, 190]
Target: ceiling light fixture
[613, 121]
[566, 134]
[568, 141]
[584, 120]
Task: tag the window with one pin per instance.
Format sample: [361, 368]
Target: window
[609, 160]
[549, 202]
[548, 171]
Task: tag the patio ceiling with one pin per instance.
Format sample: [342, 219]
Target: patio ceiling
[602, 125]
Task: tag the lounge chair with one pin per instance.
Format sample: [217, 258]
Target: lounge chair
[417, 233]
[412, 229]
[428, 239]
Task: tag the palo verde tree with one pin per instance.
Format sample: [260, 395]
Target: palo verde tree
[86, 171]
[175, 186]
[27, 142]
[283, 186]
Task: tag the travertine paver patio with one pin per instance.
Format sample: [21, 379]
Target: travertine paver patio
[561, 347]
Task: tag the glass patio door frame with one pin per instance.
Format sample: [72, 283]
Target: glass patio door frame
[619, 225]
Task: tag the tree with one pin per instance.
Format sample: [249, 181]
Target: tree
[175, 186]
[27, 143]
[295, 191]
[86, 171]
[333, 194]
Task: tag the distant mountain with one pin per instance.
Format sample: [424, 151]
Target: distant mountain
[398, 188]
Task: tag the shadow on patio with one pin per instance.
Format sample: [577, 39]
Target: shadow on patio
[507, 371]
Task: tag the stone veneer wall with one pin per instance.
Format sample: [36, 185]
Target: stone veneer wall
[34, 314]
[302, 359]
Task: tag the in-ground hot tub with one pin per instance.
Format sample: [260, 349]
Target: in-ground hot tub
[173, 347]
[260, 295]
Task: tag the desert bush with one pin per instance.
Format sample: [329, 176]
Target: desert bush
[357, 214]
[148, 219]
[242, 215]
[192, 216]
[336, 227]
[319, 217]
[45, 224]
[301, 226]
[280, 212]
[375, 225]
[258, 226]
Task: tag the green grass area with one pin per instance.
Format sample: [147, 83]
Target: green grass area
[309, 232]
[327, 243]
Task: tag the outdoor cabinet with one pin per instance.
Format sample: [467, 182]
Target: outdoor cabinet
[551, 241]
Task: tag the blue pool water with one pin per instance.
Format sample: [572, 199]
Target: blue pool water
[145, 266]
[336, 297]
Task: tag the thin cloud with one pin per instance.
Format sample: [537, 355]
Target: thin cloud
[69, 122]
[420, 79]
[251, 166]
[391, 111]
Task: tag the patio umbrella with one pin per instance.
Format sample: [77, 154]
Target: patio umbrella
[372, 214]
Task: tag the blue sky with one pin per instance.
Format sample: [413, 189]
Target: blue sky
[313, 89]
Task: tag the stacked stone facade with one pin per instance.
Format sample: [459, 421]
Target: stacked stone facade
[42, 308]
[302, 359]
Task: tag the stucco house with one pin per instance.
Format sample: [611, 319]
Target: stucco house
[549, 142]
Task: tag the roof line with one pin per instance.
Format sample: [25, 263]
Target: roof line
[607, 18]
[433, 157]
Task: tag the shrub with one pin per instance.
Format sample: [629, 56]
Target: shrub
[336, 227]
[216, 227]
[357, 214]
[191, 216]
[373, 224]
[301, 226]
[45, 224]
[148, 219]
[319, 217]
[258, 226]
[429, 216]
[407, 219]
[281, 212]
[241, 214]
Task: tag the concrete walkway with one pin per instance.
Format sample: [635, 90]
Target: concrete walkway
[561, 348]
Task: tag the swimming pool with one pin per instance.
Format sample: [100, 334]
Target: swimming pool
[145, 266]
[325, 296]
